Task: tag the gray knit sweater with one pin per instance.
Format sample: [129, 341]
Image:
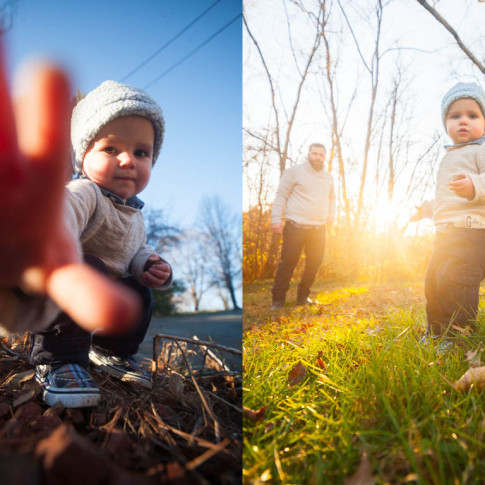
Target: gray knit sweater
[448, 208]
[105, 228]
[305, 196]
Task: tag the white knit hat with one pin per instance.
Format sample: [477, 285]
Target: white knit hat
[460, 91]
[111, 100]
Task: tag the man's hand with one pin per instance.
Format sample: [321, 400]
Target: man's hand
[277, 228]
[463, 186]
[156, 272]
[37, 252]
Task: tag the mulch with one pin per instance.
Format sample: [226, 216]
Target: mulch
[186, 430]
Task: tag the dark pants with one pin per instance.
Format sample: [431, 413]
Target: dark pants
[65, 341]
[453, 277]
[296, 240]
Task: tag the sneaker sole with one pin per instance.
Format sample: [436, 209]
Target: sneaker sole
[122, 376]
[70, 399]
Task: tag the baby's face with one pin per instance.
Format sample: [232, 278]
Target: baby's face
[119, 159]
[465, 121]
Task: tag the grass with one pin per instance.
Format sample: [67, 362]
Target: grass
[372, 404]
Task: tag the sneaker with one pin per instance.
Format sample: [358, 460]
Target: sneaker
[277, 305]
[69, 384]
[306, 301]
[442, 344]
[125, 369]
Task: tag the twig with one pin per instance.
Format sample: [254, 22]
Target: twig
[10, 351]
[214, 356]
[202, 397]
[199, 342]
[191, 465]
[200, 441]
[237, 408]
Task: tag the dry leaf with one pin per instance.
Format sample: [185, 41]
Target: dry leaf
[254, 416]
[320, 362]
[14, 381]
[474, 375]
[473, 357]
[363, 475]
[297, 374]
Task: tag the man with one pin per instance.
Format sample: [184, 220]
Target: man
[306, 196]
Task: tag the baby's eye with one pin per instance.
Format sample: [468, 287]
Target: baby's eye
[141, 153]
[110, 150]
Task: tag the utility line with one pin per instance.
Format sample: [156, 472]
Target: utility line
[193, 51]
[187, 27]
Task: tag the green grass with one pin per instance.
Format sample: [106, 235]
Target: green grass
[369, 387]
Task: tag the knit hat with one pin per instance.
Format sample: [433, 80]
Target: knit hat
[460, 91]
[111, 100]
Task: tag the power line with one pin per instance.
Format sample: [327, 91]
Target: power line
[193, 51]
[187, 27]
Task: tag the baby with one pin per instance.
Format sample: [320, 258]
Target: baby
[457, 264]
[117, 132]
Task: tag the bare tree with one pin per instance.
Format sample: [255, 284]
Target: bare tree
[284, 118]
[192, 259]
[161, 234]
[329, 70]
[223, 230]
[454, 33]
[372, 68]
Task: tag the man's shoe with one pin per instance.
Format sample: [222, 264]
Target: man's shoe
[306, 301]
[276, 305]
[69, 384]
[125, 369]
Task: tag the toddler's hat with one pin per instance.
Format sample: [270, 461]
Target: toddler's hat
[111, 100]
[459, 91]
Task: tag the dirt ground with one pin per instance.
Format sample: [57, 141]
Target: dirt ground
[186, 430]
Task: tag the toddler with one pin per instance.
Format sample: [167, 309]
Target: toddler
[116, 135]
[457, 264]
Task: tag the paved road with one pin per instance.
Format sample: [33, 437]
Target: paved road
[223, 328]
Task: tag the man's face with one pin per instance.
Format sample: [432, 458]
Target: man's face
[120, 157]
[316, 157]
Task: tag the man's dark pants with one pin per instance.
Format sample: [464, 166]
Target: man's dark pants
[453, 277]
[295, 240]
[66, 342]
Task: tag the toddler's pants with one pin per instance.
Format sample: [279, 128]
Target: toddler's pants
[65, 341]
[453, 277]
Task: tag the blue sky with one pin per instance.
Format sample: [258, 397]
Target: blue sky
[201, 98]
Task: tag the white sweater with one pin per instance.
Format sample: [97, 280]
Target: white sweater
[305, 196]
[111, 231]
[448, 208]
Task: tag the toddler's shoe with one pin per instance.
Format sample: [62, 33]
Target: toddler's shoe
[125, 369]
[69, 384]
[442, 344]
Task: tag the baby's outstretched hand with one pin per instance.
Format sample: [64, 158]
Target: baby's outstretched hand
[463, 186]
[37, 252]
[156, 271]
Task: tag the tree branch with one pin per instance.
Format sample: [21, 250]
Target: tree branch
[453, 32]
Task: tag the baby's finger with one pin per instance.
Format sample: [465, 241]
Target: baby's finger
[159, 273]
[43, 122]
[112, 308]
[151, 280]
[11, 170]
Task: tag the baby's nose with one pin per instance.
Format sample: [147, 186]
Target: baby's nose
[126, 159]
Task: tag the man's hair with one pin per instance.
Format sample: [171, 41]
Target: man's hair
[320, 145]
